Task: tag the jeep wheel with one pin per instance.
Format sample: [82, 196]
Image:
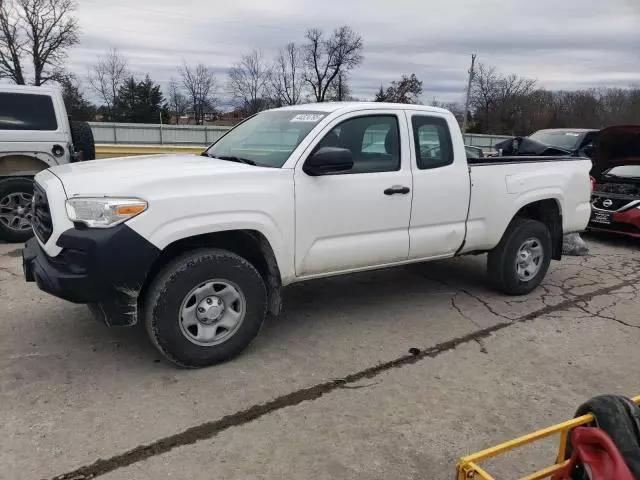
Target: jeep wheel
[205, 307]
[520, 261]
[16, 195]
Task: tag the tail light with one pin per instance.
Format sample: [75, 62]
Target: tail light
[593, 183]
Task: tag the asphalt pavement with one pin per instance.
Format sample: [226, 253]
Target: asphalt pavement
[388, 374]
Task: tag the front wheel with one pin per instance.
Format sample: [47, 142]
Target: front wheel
[521, 260]
[16, 195]
[205, 307]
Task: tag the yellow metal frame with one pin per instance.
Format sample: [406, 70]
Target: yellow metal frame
[468, 468]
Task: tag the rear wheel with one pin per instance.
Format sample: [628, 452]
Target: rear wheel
[16, 195]
[205, 307]
[521, 260]
[83, 141]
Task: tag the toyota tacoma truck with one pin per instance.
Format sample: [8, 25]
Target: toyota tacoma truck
[198, 248]
[35, 134]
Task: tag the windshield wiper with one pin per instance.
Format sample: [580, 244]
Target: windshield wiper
[230, 158]
[235, 159]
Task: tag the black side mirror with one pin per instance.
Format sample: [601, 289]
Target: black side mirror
[589, 150]
[328, 160]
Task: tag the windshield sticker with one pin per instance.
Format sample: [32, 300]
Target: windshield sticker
[572, 134]
[307, 117]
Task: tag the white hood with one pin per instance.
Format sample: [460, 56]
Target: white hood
[137, 176]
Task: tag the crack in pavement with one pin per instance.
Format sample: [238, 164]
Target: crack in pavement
[483, 349]
[600, 314]
[6, 270]
[211, 429]
[467, 292]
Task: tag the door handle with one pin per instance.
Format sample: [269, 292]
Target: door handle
[397, 189]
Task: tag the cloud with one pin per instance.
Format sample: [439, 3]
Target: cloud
[563, 44]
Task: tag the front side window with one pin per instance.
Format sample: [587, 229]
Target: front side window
[432, 142]
[22, 111]
[268, 138]
[374, 142]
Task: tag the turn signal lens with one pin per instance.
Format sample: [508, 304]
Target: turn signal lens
[129, 210]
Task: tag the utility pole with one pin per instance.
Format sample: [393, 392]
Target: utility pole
[465, 121]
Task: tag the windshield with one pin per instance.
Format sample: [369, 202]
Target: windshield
[268, 138]
[624, 171]
[565, 140]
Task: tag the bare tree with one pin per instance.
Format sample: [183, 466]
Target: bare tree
[107, 76]
[287, 78]
[325, 58]
[339, 90]
[41, 30]
[11, 44]
[248, 82]
[199, 82]
[498, 99]
[456, 108]
[178, 102]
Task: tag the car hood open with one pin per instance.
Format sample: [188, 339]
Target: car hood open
[617, 145]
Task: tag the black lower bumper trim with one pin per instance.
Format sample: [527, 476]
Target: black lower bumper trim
[106, 268]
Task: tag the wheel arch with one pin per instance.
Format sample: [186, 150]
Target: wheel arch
[22, 165]
[549, 212]
[250, 244]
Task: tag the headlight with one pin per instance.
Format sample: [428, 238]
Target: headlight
[103, 212]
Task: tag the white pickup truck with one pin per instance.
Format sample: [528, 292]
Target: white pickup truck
[198, 247]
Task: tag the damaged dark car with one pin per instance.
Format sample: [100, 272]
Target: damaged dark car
[577, 142]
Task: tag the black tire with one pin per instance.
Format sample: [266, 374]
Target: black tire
[83, 141]
[8, 188]
[501, 262]
[172, 286]
[619, 417]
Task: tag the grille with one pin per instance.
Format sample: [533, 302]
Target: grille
[41, 221]
[616, 203]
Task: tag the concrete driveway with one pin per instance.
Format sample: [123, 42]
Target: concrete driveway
[329, 389]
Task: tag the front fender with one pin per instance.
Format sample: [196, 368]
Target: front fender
[165, 232]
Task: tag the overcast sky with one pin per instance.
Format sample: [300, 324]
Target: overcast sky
[564, 44]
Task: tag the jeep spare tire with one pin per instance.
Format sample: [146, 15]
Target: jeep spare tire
[82, 137]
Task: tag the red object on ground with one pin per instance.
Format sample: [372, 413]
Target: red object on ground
[594, 449]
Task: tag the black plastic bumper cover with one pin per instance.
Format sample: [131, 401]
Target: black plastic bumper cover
[102, 267]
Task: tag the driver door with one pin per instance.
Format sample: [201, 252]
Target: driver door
[345, 221]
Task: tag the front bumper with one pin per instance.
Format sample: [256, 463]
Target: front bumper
[105, 268]
[625, 223]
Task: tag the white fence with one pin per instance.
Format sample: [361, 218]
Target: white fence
[155, 134]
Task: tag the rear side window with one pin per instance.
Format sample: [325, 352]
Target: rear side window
[432, 142]
[19, 111]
